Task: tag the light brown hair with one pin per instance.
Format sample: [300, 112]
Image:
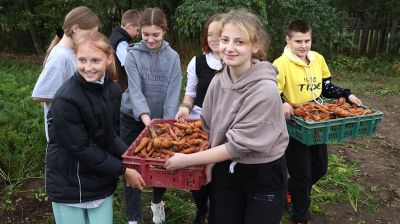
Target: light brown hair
[131, 16]
[214, 18]
[251, 24]
[81, 16]
[154, 16]
[100, 42]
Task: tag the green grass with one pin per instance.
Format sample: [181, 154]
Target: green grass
[379, 76]
[22, 141]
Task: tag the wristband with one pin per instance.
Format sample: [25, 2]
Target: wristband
[186, 105]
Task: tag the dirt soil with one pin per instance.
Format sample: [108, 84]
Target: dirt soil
[379, 174]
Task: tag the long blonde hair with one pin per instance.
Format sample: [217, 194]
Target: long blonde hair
[81, 16]
[251, 24]
[100, 42]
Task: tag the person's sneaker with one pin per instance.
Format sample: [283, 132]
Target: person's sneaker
[158, 212]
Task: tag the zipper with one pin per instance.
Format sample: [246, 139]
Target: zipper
[79, 182]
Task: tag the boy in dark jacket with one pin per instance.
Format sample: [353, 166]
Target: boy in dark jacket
[119, 41]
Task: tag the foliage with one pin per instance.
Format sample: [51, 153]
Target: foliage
[367, 76]
[22, 143]
[276, 15]
[43, 17]
[325, 21]
[191, 15]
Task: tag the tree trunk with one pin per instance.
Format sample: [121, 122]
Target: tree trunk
[356, 36]
[375, 35]
[393, 44]
[364, 37]
[35, 39]
[383, 35]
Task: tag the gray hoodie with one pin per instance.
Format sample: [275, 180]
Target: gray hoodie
[154, 82]
[246, 116]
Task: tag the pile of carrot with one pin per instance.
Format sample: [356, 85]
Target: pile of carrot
[167, 138]
[336, 109]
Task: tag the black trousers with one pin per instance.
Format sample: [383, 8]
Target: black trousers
[306, 165]
[129, 131]
[200, 198]
[252, 194]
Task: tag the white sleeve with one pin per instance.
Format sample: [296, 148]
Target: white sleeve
[192, 79]
[122, 51]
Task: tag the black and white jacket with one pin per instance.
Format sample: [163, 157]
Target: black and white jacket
[83, 158]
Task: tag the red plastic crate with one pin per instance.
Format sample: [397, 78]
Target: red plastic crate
[152, 169]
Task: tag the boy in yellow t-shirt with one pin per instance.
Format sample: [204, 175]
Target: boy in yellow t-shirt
[304, 76]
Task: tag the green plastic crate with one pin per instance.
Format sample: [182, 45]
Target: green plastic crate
[324, 132]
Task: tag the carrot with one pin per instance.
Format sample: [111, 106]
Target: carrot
[194, 135]
[143, 153]
[194, 141]
[173, 135]
[197, 124]
[168, 152]
[189, 150]
[181, 125]
[342, 113]
[150, 153]
[203, 136]
[149, 146]
[196, 129]
[367, 111]
[142, 144]
[177, 131]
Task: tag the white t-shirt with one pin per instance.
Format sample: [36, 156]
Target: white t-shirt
[60, 65]
[122, 51]
[192, 80]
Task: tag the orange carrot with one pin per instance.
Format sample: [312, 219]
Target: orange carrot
[142, 144]
[168, 152]
[194, 135]
[183, 126]
[173, 135]
[203, 136]
[197, 124]
[189, 150]
[149, 146]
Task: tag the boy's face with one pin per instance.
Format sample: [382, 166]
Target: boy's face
[300, 43]
[132, 29]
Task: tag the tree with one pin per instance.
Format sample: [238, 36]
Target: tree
[275, 14]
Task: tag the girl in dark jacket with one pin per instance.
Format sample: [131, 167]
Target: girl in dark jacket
[83, 159]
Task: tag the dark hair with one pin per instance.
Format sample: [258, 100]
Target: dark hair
[81, 16]
[298, 26]
[214, 18]
[154, 16]
[100, 42]
[251, 24]
[131, 16]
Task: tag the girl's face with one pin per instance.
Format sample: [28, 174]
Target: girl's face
[78, 33]
[213, 36]
[299, 43]
[152, 36]
[92, 62]
[235, 48]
